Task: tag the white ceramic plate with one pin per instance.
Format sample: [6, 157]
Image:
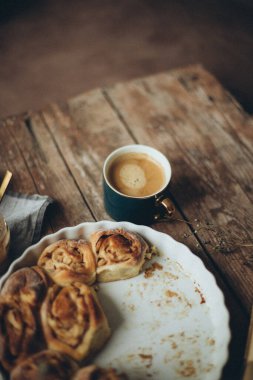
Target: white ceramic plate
[173, 325]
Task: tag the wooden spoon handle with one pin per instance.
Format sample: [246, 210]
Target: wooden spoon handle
[5, 183]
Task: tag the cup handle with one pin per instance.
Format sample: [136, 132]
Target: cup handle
[165, 207]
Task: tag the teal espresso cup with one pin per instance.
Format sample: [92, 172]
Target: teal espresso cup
[135, 185]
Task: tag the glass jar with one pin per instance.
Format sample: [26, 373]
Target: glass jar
[4, 239]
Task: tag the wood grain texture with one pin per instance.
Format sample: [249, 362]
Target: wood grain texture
[207, 181]
[11, 158]
[85, 137]
[42, 162]
[203, 131]
[159, 112]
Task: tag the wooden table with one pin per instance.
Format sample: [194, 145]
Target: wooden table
[198, 125]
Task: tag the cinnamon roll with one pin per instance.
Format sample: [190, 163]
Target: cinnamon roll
[29, 285]
[120, 254]
[18, 331]
[93, 372]
[73, 320]
[67, 261]
[45, 365]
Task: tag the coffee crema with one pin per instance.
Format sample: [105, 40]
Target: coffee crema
[136, 175]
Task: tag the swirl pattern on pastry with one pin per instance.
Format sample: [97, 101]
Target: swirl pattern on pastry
[73, 320]
[120, 254]
[18, 331]
[29, 285]
[45, 365]
[92, 372]
[68, 261]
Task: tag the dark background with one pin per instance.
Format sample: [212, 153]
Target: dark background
[52, 50]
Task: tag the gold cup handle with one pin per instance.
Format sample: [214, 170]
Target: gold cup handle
[166, 209]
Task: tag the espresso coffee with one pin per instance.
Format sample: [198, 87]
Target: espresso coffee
[136, 175]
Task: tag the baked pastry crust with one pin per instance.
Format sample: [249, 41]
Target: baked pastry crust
[29, 285]
[18, 331]
[92, 372]
[73, 320]
[45, 365]
[67, 261]
[120, 254]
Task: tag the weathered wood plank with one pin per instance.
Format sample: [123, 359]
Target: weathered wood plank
[60, 152]
[197, 87]
[85, 137]
[49, 172]
[140, 108]
[86, 128]
[11, 158]
[202, 182]
[229, 166]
